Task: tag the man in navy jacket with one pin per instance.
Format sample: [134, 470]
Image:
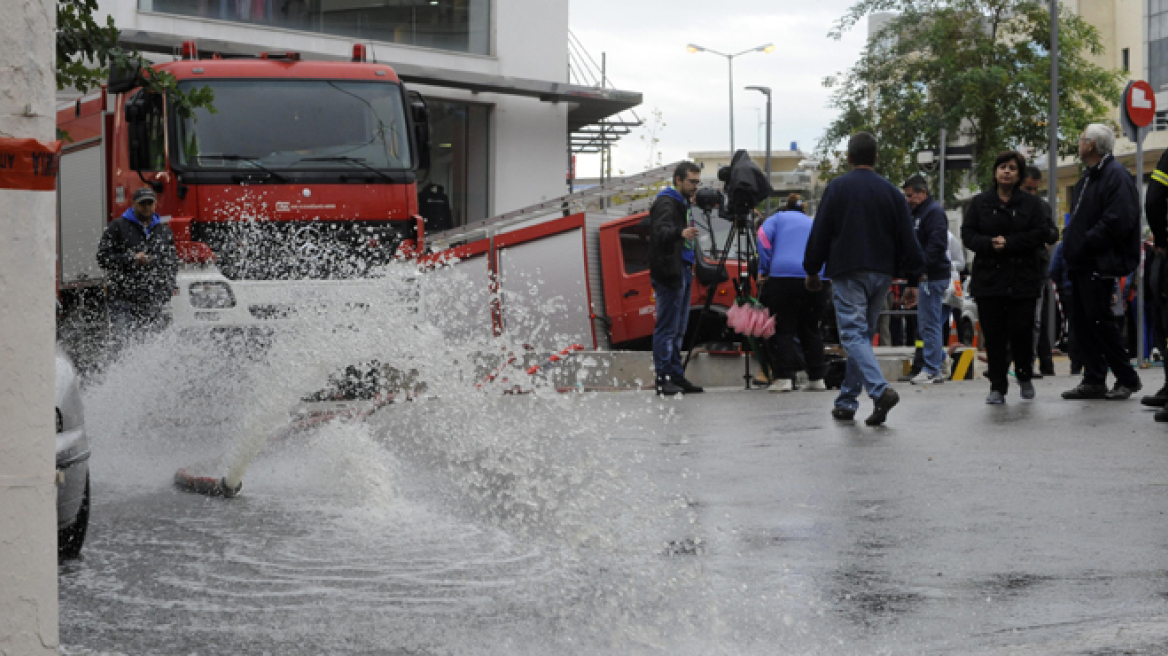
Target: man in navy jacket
[863, 232]
[933, 236]
[1100, 245]
[138, 255]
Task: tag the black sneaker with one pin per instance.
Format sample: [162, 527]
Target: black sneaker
[1085, 391]
[1036, 375]
[1046, 368]
[1157, 400]
[843, 414]
[1161, 416]
[666, 387]
[885, 403]
[1121, 392]
[688, 387]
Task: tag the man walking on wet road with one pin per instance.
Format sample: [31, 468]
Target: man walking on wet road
[863, 231]
[1100, 245]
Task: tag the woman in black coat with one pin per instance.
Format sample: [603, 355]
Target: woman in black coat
[1006, 229]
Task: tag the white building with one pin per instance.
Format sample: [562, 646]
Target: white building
[495, 76]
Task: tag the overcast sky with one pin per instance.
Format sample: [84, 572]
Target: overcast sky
[645, 46]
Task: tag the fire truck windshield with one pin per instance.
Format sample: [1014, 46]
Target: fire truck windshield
[296, 125]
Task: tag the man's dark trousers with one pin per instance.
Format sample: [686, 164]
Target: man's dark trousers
[798, 313]
[669, 330]
[1097, 339]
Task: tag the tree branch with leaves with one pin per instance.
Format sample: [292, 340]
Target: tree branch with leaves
[979, 69]
[86, 49]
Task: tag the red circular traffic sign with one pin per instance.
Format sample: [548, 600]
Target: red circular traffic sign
[1140, 102]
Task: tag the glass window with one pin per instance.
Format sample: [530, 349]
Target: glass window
[634, 244]
[459, 156]
[459, 25]
[289, 124]
[1158, 63]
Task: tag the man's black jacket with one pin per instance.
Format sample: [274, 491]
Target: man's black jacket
[933, 236]
[1156, 202]
[1103, 236]
[1017, 270]
[148, 286]
[667, 218]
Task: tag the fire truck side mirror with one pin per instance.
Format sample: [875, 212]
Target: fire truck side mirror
[122, 79]
[421, 115]
[138, 131]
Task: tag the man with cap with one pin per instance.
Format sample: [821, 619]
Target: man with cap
[137, 253]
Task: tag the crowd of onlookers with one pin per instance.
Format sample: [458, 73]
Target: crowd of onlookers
[1030, 287]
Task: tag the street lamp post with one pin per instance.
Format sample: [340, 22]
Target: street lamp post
[770, 47]
[766, 91]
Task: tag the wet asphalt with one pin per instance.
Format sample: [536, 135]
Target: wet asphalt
[729, 522]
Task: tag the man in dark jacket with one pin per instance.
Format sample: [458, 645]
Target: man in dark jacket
[863, 231]
[1100, 245]
[671, 257]
[1156, 273]
[1044, 308]
[138, 255]
[932, 234]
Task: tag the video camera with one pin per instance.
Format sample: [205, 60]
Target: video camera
[744, 186]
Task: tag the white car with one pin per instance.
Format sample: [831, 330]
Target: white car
[72, 461]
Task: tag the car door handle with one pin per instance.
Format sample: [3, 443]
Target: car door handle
[632, 292]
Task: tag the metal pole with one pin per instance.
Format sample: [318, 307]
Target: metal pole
[768, 150]
[1141, 336]
[1053, 119]
[1052, 136]
[730, 63]
[603, 150]
[941, 184]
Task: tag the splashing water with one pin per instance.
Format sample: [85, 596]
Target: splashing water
[566, 535]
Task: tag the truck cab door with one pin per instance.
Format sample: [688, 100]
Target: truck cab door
[631, 305]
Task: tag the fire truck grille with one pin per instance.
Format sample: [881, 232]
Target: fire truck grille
[299, 250]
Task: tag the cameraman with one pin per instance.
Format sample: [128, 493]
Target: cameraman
[671, 258]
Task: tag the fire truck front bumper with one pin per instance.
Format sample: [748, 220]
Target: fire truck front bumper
[207, 299]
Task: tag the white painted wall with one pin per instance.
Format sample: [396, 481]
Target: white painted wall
[28, 514]
[528, 137]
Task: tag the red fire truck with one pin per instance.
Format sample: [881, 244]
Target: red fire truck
[304, 172]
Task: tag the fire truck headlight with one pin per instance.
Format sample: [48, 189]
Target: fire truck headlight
[211, 296]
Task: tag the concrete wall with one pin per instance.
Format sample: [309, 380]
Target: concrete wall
[28, 516]
[528, 137]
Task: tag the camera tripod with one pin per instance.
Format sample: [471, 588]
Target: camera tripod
[742, 236]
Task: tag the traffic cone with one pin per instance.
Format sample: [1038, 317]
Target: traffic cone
[953, 337]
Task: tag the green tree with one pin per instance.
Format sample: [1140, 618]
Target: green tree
[85, 49]
[977, 68]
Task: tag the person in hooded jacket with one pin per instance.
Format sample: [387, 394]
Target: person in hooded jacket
[672, 237]
[798, 311]
[138, 255]
[1007, 229]
[1101, 244]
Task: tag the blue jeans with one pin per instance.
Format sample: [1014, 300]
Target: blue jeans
[859, 297]
[672, 319]
[929, 320]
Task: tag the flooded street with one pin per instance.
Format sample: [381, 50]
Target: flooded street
[733, 522]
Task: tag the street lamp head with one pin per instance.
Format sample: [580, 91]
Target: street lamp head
[770, 47]
[694, 48]
[764, 90]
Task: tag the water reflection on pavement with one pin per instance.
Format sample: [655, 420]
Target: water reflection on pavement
[733, 522]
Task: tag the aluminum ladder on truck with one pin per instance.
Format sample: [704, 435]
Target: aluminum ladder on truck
[561, 206]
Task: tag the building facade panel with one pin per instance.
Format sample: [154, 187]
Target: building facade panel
[492, 152]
